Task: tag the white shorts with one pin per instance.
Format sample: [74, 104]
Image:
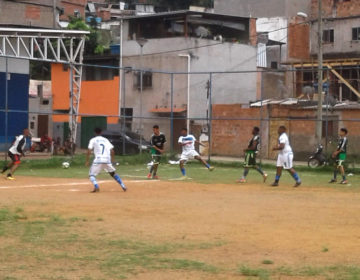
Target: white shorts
[96, 168]
[188, 155]
[285, 160]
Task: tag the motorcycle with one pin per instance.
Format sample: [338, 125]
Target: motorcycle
[318, 158]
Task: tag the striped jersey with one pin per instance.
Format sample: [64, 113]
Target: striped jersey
[189, 141]
[18, 146]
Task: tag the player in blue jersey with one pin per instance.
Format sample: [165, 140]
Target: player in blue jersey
[187, 142]
[104, 156]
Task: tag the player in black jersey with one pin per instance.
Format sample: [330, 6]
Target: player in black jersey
[157, 141]
[250, 156]
[340, 156]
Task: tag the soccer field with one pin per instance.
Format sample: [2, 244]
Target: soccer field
[204, 228]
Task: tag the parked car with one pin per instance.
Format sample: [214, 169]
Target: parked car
[132, 142]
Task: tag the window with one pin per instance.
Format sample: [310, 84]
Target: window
[147, 80]
[274, 65]
[98, 74]
[328, 36]
[356, 34]
[128, 114]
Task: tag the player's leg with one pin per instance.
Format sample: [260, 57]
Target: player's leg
[15, 164]
[336, 169]
[342, 172]
[279, 168]
[289, 167]
[156, 166]
[246, 168]
[263, 174]
[10, 164]
[151, 168]
[208, 166]
[111, 170]
[182, 167]
[93, 172]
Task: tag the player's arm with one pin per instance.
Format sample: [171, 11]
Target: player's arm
[252, 147]
[279, 147]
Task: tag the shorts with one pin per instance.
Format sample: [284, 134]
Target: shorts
[14, 157]
[96, 168]
[185, 156]
[285, 160]
[156, 158]
[340, 159]
[250, 159]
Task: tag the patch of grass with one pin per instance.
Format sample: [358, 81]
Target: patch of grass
[267, 262]
[325, 249]
[262, 274]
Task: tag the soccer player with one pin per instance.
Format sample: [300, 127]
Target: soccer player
[250, 156]
[157, 142]
[285, 158]
[187, 142]
[104, 155]
[340, 156]
[15, 152]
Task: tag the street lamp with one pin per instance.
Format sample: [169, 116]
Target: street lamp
[141, 42]
[188, 90]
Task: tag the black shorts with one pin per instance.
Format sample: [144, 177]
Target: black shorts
[15, 158]
[250, 159]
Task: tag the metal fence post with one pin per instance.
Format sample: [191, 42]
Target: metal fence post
[6, 105]
[172, 114]
[210, 116]
[123, 113]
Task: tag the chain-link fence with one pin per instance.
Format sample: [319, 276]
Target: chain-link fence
[218, 108]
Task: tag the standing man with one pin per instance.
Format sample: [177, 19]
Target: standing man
[104, 155]
[157, 142]
[15, 152]
[340, 156]
[187, 142]
[285, 158]
[250, 156]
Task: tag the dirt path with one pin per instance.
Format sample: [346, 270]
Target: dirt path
[289, 226]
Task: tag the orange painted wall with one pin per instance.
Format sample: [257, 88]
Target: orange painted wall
[97, 97]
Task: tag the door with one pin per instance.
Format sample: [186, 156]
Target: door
[88, 124]
[43, 125]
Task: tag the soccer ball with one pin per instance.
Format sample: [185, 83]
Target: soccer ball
[65, 165]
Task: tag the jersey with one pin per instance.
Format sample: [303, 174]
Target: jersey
[189, 141]
[102, 149]
[18, 146]
[283, 139]
[158, 141]
[256, 138]
[342, 145]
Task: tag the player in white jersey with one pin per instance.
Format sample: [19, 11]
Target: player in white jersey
[285, 158]
[103, 158]
[15, 152]
[187, 142]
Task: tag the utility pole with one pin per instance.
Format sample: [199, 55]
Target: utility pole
[320, 74]
[54, 14]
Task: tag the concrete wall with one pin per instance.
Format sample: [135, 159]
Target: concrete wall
[262, 8]
[342, 37]
[28, 13]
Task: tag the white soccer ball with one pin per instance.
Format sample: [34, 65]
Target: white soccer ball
[65, 165]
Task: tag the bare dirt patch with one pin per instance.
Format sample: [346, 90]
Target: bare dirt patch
[240, 224]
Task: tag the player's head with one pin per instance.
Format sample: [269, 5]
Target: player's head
[156, 129]
[255, 130]
[281, 129]
[184, 131]
[26, 132]
[343, 132]
[98, 131]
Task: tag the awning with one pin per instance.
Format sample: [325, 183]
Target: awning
[167, 110]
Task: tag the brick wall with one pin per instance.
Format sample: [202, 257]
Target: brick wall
[299, 41]
[334, 8]
[71, 6]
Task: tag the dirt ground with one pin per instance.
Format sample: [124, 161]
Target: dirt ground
[289, 226]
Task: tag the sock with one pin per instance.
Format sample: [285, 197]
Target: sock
[151, 169]
[335, 174]
[246, 172]
[5, 168]
[183, 171]
[258, 169]
[207, 165]
[93, 180]
[296, 177]
[344, 177]
[118, 179]
[277, 178]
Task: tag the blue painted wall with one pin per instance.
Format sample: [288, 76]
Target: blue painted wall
[18, 99]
